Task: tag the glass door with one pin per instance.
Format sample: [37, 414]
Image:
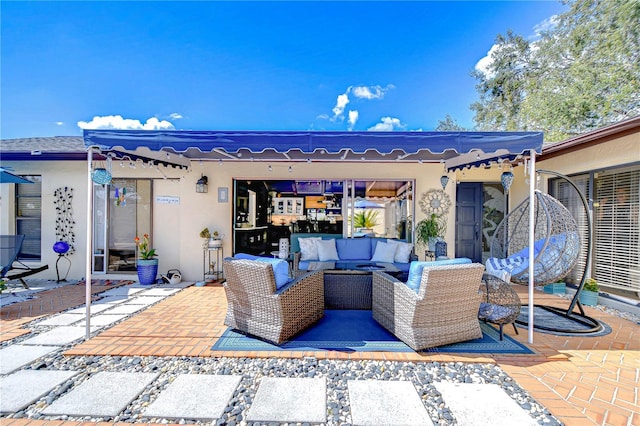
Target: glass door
[122, 210]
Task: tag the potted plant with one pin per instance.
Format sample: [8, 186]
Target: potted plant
[205, 235]
[589, 293]
[365, 220]
[430, 230]
[147, 264]
[215, 240]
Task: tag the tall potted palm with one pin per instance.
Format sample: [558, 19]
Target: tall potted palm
[147, 264]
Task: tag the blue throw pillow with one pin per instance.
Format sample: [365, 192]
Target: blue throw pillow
[415, 270]
[353, 248]
[280, 267]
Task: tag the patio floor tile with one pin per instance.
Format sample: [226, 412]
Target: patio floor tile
[104, 394]
[377, 402]
[289, 400]
[197, 397]
[24, 387]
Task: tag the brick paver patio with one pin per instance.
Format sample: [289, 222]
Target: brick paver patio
[581, 380]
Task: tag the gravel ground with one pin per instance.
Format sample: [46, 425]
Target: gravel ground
[337, 373]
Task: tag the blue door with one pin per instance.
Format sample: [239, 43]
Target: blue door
[469, 221]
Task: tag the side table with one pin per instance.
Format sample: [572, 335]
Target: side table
[213, 269]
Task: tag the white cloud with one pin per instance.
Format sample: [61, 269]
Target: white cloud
[59, 123]
[483, 64]
[387, 124]
[371, 92]
[546, 25]
[341, 103]
[353, 118]
[117, 122]
[175, 116]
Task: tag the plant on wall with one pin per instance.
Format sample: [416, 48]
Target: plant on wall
[64, 217]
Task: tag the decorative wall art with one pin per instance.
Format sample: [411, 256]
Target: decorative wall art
[63, 200]
[435, 201]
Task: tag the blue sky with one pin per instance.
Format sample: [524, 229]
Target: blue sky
[247, 65]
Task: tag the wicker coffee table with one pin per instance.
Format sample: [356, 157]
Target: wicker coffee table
[351, 288]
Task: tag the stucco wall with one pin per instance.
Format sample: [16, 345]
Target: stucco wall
[176, 227]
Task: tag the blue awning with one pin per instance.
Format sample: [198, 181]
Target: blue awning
[318, 146]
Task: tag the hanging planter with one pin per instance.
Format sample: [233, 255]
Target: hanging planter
[507, 180]
[101, 176]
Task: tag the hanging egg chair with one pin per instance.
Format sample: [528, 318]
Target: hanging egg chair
[556, 236]
[556, 250]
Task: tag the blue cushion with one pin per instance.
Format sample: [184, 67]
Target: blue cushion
[280, 267]
[492, 312]
[374, 243]
[353, 248]
[416, 267]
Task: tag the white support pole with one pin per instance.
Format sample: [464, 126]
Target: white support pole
[532, 200]
[89, 239]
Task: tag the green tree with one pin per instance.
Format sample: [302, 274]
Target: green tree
[449, 124]
[503, 85]
[582, 74]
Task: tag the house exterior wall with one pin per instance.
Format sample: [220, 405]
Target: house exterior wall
[176, 227]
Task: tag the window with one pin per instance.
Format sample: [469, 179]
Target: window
[28, 217]
[616, 225]
[616, 229]
[566, 194]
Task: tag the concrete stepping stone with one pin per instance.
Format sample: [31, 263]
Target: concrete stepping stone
[61, 319]
[94, 309]
[482, 404]
[58, 336]
[122, 291]
[102, 320]
[160, 291]
[16, 356]
[111, 300]
[105, 394]
[125, 309]
[24, 387]
[194, 396]
[289, 400]
[145, 300]
[377, 402]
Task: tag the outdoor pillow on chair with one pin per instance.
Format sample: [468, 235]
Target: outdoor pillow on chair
[415, 270]
[309, 248]
[403, 251]
[327, 250]
[280, 267]
[504, 268]
[385, 252]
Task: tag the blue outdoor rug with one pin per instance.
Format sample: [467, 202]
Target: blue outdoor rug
[357, 331]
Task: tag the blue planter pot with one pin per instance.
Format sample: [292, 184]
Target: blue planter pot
[589, 298]
[147, 271]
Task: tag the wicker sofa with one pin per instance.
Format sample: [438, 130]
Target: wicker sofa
[350, 252]
[257, 307]
[444, 309]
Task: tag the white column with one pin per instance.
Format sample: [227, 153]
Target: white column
[89, 239]
[532, 200]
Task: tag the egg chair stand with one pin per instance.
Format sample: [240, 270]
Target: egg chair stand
[557, 248]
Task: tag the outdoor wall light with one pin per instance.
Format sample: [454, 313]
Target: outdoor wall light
[202, 185]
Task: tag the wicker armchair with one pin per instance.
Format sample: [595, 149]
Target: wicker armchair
[500, 303]
[255, 307]
[444, 311]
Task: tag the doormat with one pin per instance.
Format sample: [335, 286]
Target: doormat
[357, 331]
